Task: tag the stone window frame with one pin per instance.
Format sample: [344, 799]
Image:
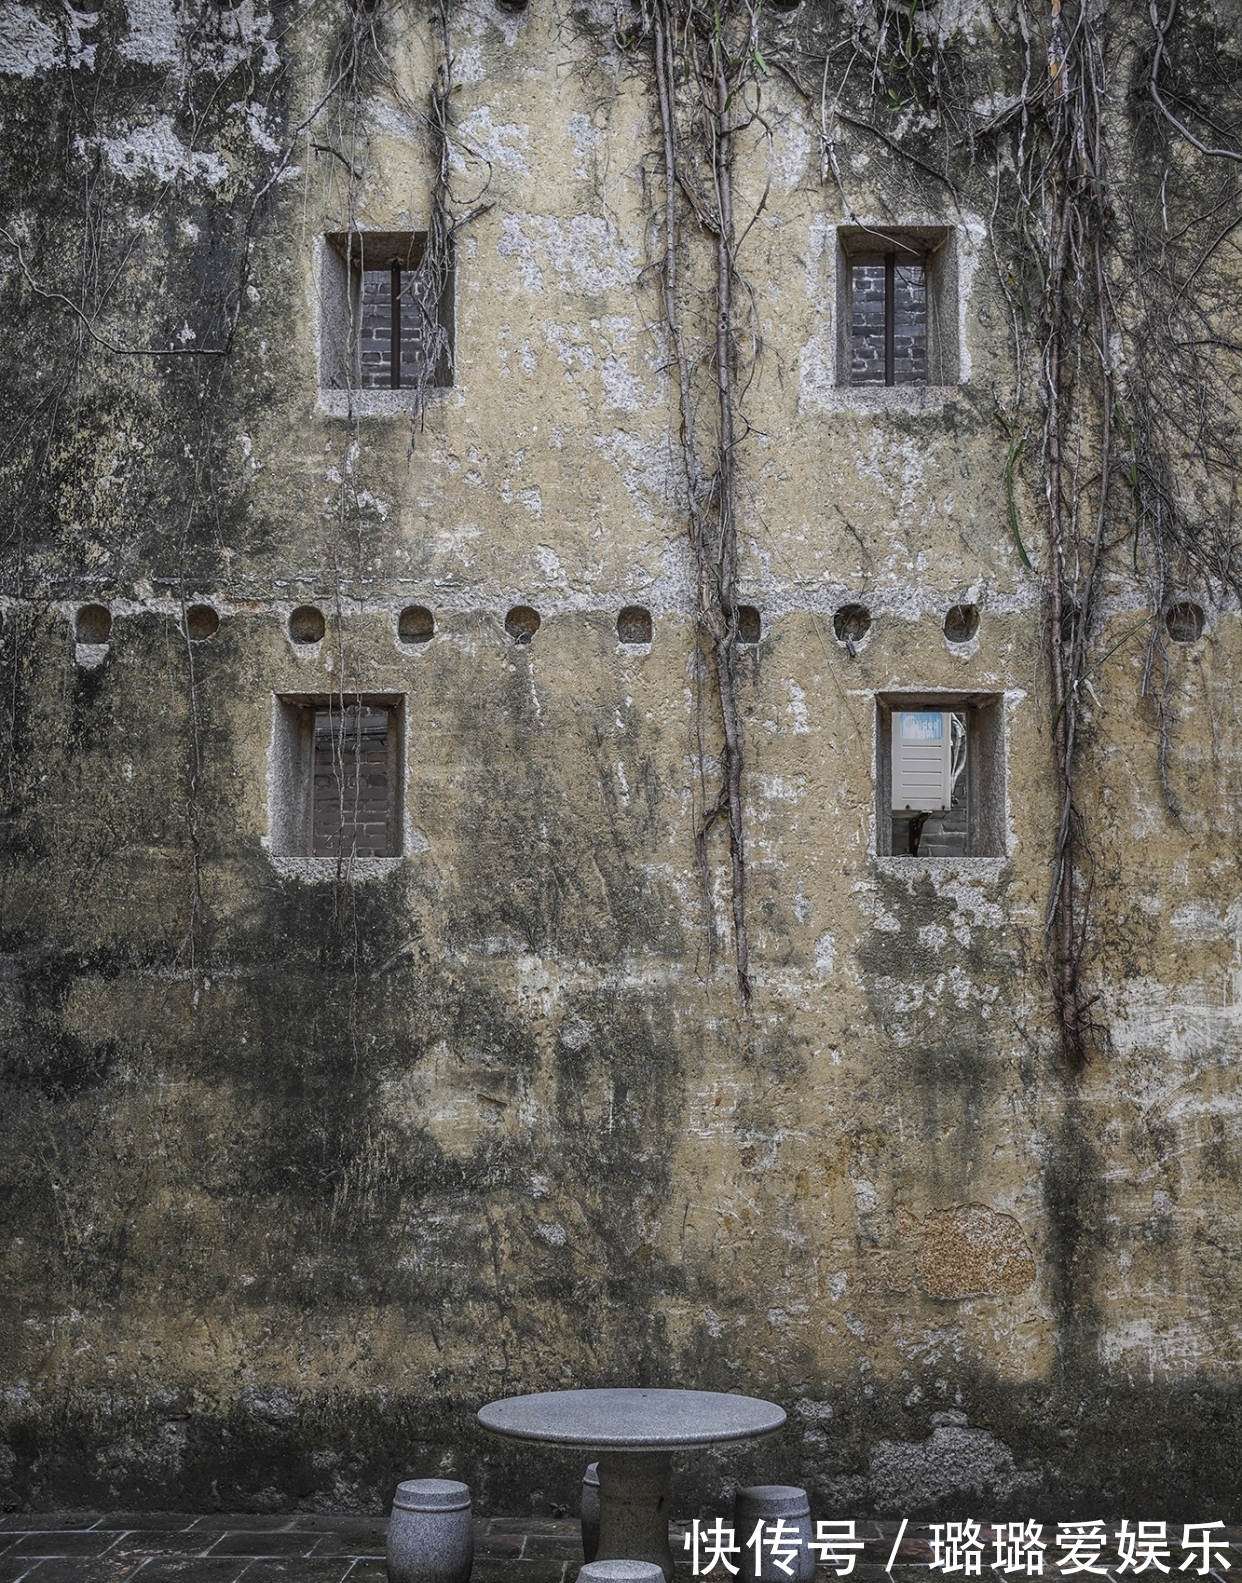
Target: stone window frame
[936, 247]
[987, 758]
[291, 772]
[341, 257]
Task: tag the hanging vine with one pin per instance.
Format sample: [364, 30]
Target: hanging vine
[1120, 415]
[706, 59]
[1126, 363]
[1126, 423]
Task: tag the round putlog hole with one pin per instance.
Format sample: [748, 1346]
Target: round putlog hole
[1184, 622]
[634, 624]
[306, 625]
[201, 622]
[522, 623]
[416, 624]
[961, 623]
[851, 623]
[93, 624]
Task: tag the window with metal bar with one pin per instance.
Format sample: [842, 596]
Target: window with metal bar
[940, 782]
[394, 343]
[888, 319]
[387, 313]
[336, 778]
[351, 803]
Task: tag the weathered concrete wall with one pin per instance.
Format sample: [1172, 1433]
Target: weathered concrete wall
[299, 1173]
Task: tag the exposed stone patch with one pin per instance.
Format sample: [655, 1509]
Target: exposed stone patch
[954, 1461]
[156, 151]
[970, 1250]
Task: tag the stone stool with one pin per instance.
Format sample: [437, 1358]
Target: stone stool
[621, 1572]
[430, 1533]
[764, 1503]
[590, 1512]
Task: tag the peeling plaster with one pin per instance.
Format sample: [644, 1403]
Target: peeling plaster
[954, 1462]
[156, 151]
[30, 44]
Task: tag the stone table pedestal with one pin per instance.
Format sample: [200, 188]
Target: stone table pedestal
[635, 1432]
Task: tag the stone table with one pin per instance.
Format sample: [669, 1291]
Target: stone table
[635, 1432]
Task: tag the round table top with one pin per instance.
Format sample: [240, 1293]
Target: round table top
[633, 1420]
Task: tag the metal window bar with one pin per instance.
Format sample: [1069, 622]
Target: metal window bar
[403, 341]
[394, 352]
[890, 318]
[958, 763]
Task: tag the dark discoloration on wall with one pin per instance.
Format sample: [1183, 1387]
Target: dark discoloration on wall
[298, 1173]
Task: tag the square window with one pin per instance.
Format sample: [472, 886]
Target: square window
[940, 775]
[897, 307]
[336, 782]
[386, 313]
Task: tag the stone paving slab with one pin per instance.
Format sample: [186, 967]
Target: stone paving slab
[312, 1570]
[318, 1547]
[165, 1542]
[554, 1547]
[246, 1522]
[179, 1569]
[149, 1522]
[62, 1542]
[81, 1569]
[258, 1542]
[351, 1527]
[536, 1525]
[362, 1543]
[519, 1571]
[48, 1520]
[499, 1547]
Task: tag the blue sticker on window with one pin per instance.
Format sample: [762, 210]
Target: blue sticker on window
[922, 725]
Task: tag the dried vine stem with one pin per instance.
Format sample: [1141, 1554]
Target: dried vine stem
[1111, 285]
[715, 49]
[434, 268]
[1072, 222]
[1161, 30]
[1089, 298]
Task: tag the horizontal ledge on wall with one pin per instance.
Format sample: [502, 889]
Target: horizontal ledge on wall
[375, 403]
[883, 398]
[975, 868]
[323, 870]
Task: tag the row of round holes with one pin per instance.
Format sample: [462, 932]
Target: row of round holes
[93, 623]
[416, 624]
[851, 623]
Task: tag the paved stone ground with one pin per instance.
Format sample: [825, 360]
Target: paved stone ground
[308, 1547]
[163, 1547]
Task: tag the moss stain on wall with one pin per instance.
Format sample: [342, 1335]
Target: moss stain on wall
[299, 1172]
